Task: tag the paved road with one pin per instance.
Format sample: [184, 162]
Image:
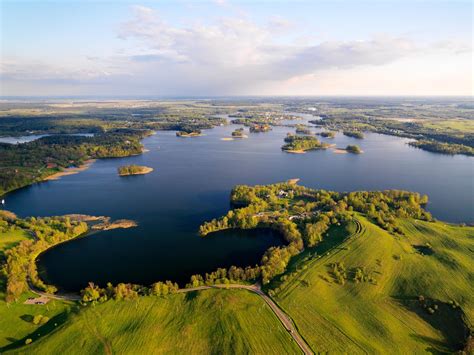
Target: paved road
[282, 316]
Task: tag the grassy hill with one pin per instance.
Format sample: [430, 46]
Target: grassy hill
[210, 322]
[383, 313]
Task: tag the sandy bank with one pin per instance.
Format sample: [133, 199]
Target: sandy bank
[295, 151]
[119, 223]
[293, 181]
[189, 135]
[70, 171]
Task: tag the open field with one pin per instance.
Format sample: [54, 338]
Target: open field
[384, 314]
[209, 321]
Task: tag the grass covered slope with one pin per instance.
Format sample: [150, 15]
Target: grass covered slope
[210, 322]
[380, 312]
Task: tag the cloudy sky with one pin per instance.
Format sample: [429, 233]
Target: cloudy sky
[232, 47]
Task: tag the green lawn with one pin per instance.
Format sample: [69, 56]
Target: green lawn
[204, 322]
[383, 317]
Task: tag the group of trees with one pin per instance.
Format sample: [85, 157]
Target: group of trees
[238, 133]
[302, 129]
[225, 276]
[327, 134]
[294, 142]
[126, 291]
[303, 216]
[355, 149]
[188, 131]
[257, 128]
[20, 266]
[354, 134]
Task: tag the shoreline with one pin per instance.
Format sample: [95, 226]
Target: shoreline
[295, 151]
[189, 135]
[70, 171]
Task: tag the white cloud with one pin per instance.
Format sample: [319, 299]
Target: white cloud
[233, 55]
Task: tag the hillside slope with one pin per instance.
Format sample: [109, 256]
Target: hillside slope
[381, 312]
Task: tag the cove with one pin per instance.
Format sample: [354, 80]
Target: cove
[200, 255]
[191, 183]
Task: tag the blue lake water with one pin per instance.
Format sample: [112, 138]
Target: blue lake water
[190, 184]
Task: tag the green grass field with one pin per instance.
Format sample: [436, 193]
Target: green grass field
[15, 318]
[380, 314]
[210, 322]
[383, 316]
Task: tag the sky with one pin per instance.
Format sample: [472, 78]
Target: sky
[232, 47]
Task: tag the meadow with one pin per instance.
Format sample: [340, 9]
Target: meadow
[381, 311]
[209, 321]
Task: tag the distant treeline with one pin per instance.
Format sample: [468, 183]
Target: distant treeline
[23, 164]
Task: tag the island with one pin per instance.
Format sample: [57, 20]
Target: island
[191, 133]
[134, 170]
[354, 134]
[327, 134]
[301, 129]
[301, 144]
[239, 133]
[258, 128]
[354, 149]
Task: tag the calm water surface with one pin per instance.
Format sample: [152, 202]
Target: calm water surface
[191, 183]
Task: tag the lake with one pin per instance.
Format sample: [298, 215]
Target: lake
[33, 137]
[190, 184]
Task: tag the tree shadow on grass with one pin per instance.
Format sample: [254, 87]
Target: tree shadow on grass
[53, 324]
[190, 296]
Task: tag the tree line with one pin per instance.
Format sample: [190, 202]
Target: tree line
[19, 266]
